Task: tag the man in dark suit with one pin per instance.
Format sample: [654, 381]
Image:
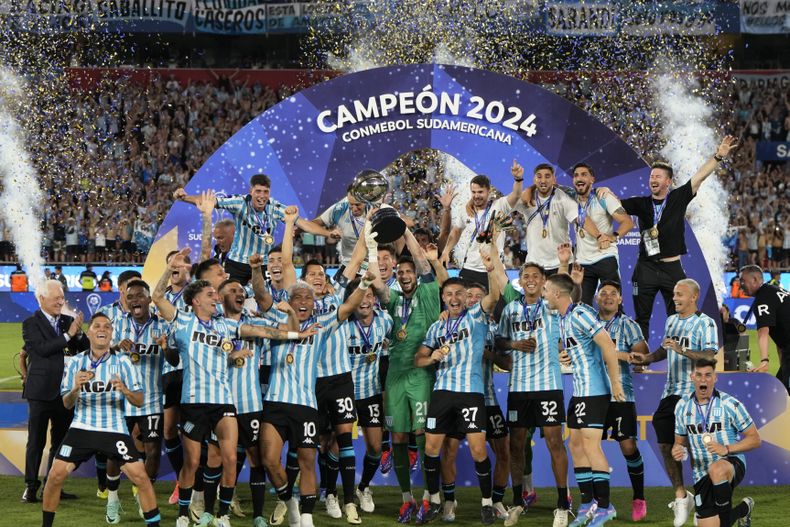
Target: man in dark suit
[49, 337]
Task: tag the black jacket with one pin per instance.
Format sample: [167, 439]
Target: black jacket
[45, 351]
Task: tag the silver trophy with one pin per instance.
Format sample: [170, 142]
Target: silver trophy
[370, 187]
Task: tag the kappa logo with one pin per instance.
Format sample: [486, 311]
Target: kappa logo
[153, 434]
[308, 441]
[374, 420]
[579, 421]
[551, 419]
[472, 426]
[348, 416]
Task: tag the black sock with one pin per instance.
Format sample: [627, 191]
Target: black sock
[184, 499]
[225, 497]
[412, 442]
[584, 478]
[498, 494]
[113, 482]
[448, 490]
[322, 469]
[722, 498]
[47, 518]
[332, 470]
[199, 485]
[152, 517]
[636, 471]
[738, 512]
[518, 495]
[431, 466]
[307, 503]
[601, 488]
[101, 471]
[483, 471]
[348, 466]
[369, 467]
[285, 492]
[241, 457]
[562, 498]
[258, 490]
[385, 441]
[292, 467]
[175, 454]
[211, 477]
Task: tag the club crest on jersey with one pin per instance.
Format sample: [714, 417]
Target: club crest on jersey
[461, 334]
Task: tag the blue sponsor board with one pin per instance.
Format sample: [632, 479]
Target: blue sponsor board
[72, 274]
[773, 150]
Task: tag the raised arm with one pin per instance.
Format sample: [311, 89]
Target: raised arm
[205, 204]
[348, 307]
[439, 270]
[289, 272]
[167, 309]
[314, 227]
[517, 171]
[421, 265]
[497, 278]
[181, 195]
[262, 296]
[727, 145]
[452, 241]
[609, 352]
[445, 226]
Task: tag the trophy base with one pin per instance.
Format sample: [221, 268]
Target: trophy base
[387, 225]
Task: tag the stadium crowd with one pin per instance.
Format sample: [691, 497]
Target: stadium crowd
[154, 138]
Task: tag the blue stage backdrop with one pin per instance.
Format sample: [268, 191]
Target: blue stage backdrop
[313, 144]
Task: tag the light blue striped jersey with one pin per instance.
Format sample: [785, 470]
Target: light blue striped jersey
[577, 329]
[726, 419]
[339, 215]
[113, 311]
[205, 364]
[278, 295]
[295, 363]
[488, 367]
[177, 299]
[100, 407]
[625, 333]
[245, 380]
[251, 226]
[366, 344]
[335, 358]
[696, 332]
[152, 358]
[461, 369]
[539, 370]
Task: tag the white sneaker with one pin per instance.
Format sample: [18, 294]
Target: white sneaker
[500, 512]
[365, 498]
[222, 521]
[235, 506]
[196, 508]
[560, 518]
[681, 508]
[513, 514]
[306, 520]
[182, 521]
[448, 513]
[352, 515]
[294, 518]
[333, 507]
[278, 515]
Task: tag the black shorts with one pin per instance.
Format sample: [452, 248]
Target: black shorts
[171, 387]
[703, 490]
[456, 413]
[621, 418]
[335, 396]
[150, 427]
[535, 409]
[588, 412]
[80, 445]
[264, 373]
[369, 411]
[249, 429]
[296, 423]
[664, 419]
[199, 420]
[239, 271]
[496, 427]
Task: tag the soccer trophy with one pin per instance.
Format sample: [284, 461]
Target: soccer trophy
[370, 187]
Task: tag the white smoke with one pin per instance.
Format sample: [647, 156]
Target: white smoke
[21, 202]
[691, 141]
[459, 175]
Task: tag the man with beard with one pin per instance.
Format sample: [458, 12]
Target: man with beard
[256, 216]
[202, 341]
[597, 256]
[138, 334]
[479, 212]
[291, 408]
[621, 416]
[347, 218]
[689, 335]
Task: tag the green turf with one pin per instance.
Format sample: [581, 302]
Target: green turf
[89, 510]
[11, 342]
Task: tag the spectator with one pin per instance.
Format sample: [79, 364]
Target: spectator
[19, 282]
[60, 277]
[105, 283]
[88, 278]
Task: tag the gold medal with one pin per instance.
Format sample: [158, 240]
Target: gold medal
[545, 233]
[707, 438]
[238, 362]
[654, 232]
[371, 358]
[268, 239]
[445, 350]
[91, 373]
[226, 345]
[289, 358]
[581, 233]
[134, 357]
[401, 334]
[740, 328]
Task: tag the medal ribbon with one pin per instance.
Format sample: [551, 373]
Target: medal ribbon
[704, 418]
[366, 335]
[302, 327]
[356, 225]
[405, 311]
[540, 208]
[175, 296]
[480, 222]
[263, 223]
[95, 363]
[562, 321]
[583, 210]
[658, 211]
[608, 324]
[138, 330]
[531, 316]
[448, 331]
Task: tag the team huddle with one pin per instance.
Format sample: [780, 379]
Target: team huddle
[235, 356]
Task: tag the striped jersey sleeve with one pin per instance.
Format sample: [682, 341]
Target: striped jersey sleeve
[232, 204]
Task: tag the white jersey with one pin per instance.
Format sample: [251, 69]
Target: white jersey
[600, 213]
[339, 215]
[473, 226]
[554, 214]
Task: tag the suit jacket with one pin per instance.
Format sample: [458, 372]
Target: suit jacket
[45, 350]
